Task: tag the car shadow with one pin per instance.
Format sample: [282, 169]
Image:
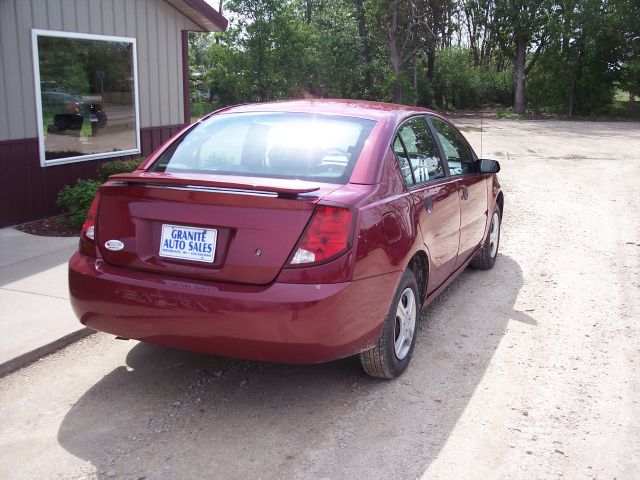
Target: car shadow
[175, 414]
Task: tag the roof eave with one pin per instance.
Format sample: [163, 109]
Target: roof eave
[201, 13]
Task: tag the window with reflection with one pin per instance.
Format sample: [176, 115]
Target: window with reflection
[87, 94]
[417, 153]
[459, 157]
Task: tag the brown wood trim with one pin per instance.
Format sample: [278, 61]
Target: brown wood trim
[186, 97]
[17, 142]
[209, 13]
[163, 127]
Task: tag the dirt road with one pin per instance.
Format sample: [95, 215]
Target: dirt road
[530, 370]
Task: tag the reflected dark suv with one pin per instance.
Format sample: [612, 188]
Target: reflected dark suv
[68, 112]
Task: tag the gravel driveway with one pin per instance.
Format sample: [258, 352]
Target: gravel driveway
[530, 370]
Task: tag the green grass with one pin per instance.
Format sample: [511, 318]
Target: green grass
[507, 114]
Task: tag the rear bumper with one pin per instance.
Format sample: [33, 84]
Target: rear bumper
[291, 323]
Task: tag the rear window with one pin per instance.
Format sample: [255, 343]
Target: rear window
[277, 145]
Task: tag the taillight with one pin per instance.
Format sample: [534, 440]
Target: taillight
[327, 236]
[88, 232]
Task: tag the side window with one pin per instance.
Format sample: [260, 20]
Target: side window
[459, 157]
[417, 153]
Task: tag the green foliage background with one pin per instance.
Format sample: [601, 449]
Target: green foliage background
[453, 54]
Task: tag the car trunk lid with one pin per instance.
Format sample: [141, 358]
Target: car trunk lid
[230, 229]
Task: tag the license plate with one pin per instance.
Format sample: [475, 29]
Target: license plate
[93, 118]
[188, 243]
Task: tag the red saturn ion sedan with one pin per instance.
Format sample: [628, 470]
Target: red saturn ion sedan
[296, 232]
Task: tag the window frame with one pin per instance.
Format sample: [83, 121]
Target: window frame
[472, 153]
[35, 34]
[445, 165]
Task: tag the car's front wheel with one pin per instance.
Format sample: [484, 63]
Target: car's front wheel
[486, 257]
[390, 357]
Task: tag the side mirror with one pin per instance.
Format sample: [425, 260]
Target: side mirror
[487, 166]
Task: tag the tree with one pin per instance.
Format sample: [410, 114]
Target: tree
[403, 26]
[520, 26]
[571, 54]
[365, 48]
[578, 70]
[478, 18]
[629, 28]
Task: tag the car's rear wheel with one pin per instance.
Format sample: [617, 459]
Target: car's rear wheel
[391, 356]
[61, 122]
[102, 119]
[486, 257]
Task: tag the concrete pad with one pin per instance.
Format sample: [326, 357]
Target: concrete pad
[43, 275]
[29, 321]
[16, 246]
[36, 317]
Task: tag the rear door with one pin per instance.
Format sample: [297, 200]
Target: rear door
[434, 196]
[471, 186]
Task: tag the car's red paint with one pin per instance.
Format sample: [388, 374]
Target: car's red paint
[283, 322]
[251, 301]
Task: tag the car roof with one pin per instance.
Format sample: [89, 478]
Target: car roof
[355, 108]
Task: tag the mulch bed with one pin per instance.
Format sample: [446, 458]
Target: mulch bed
[49, 227]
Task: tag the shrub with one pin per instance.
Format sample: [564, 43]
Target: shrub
[200, 109]
[106, 169]
[507, 114]
[459, 84]
[77, 199]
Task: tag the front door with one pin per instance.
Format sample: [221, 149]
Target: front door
[471, 185]
[434, 197]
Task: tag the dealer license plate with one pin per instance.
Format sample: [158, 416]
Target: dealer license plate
[188, 243]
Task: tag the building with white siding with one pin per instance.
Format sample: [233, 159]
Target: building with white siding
[82, 81]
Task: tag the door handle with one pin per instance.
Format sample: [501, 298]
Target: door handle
[428, 204]
[465, 192]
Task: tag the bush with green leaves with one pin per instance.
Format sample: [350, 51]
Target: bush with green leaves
[106, 169]
[459, 84]
[77, 199]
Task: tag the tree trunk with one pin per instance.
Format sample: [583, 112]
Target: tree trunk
[473, 45]
[431, 66]
[397, 91]
[521, 50]
[572, 93]
[396, 66]
[307, 13]
[415, 81]
[395, 56]
[367, 83]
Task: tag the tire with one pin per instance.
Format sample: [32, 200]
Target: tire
[486, 257]
[61, 122]
[391, 356]
[102, 119]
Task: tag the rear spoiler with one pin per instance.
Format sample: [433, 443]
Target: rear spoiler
[284, 188]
